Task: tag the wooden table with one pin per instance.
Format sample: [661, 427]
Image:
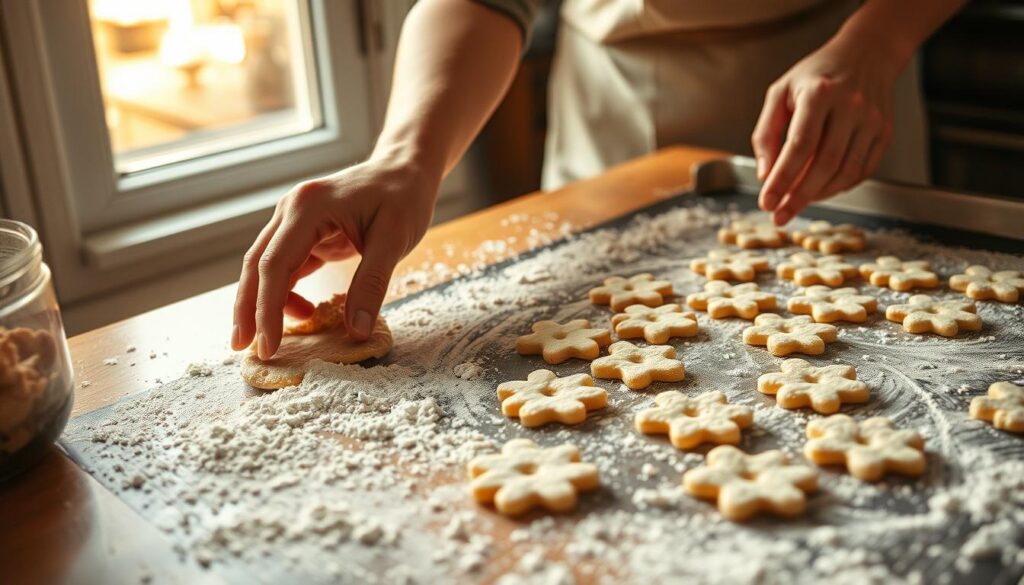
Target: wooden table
[59, 525]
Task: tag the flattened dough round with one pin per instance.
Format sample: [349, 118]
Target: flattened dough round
[288, 366]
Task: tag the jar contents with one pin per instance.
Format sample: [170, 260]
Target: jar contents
[30, 392]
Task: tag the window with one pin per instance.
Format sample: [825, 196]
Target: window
[185, 78]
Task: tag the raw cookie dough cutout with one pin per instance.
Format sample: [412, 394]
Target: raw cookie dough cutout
[721, 299]
[321, 337]
[794, 335]
[638, 367]
[655, 325]
[724, 264]
[557, 343]
[524, 476]
[753, 234]
[981, 284]
[806, 269]
[642, 289]
[891, 272]
[746, 485]
[1003, 407]
[869, 449]
[824, 389]
[826, 305]
[826, 238]
[544, 397]
[689, 422]
[923, 314]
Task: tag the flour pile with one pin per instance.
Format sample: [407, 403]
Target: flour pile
[357, 475]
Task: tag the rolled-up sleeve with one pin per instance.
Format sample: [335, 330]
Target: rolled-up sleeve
[522, 12]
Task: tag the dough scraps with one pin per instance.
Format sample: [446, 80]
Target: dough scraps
[745, 485]
[524, 476]
[923, 314]
[544, 397]
[638, 367]
[824, 389]
[721, 299]
[1003, 407]
[655, 325]
[557, 343]
[869, 449]
[794, 335]
[692, 421]
[321, 337]
[981, 283]
[619, 292]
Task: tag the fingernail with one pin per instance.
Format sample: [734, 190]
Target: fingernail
[235, 334]
[760, 168]
[362, 323]
[262, 347]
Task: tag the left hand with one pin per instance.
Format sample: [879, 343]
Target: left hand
[837, 104]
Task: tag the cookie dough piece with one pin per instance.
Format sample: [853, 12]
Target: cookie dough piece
[923, 314]
[544, 397]
[524, 476]
[721, 299]
[689, 422]
[746, 485]
[753, 234]
[826, 305]
[321, 337]
[638, 367]
[619, 292]
[794, 335]
[868, 449]
[826, 238]
[824, 389]
[1003, 407]
[655, 325]
[806, 269]
[890, 271]
[722, 264]
[981, 284]
[557, 343]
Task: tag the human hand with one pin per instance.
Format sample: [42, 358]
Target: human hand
[380, 209]
[837, 104]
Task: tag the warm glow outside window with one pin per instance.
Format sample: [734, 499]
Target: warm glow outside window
[183, 79]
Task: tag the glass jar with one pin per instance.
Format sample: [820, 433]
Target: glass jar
[36, 378]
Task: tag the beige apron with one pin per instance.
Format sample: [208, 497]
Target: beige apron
[631, 76]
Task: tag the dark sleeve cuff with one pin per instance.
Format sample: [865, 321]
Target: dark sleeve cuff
[522, 12]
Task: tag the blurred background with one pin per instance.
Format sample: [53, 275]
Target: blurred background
[148, 141]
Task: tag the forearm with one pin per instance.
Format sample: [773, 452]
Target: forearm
[900, 26]
[454, 63]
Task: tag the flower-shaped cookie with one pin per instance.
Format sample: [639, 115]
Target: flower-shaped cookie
[794, 335]
[638, 367]
[981, 283]
[655, 325]
[523, 476]
[557, 342]
[1004, 407]
[806, 269]
[923, 314]
[824, 389]
[830, 239]
[622, 292]
[544, 397]
[751, 234]
[745, 485]
[724, 264]
[721, 299]
[689, 422]
[898, 275]
[828, 305]
[869, 449]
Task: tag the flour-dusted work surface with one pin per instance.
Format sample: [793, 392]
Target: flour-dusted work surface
[359, 473]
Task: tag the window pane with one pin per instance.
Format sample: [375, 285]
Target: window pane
[187, 78]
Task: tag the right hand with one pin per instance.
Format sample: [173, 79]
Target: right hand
[380, 209]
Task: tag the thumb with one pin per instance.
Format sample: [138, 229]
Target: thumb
[370, 283]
